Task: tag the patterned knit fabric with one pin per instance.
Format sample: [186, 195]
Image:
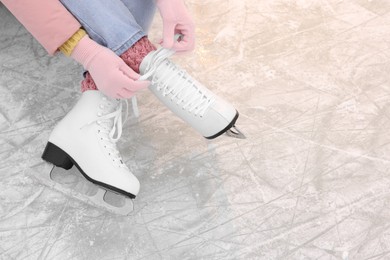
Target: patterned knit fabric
[88, 83]
[132, 57]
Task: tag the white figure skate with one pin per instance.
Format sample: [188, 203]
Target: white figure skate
[207, 113]
[87, 138]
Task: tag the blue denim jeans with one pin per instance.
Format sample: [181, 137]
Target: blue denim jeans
[116, 24]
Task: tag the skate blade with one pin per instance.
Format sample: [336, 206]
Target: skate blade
[235, 133]
[44, 174]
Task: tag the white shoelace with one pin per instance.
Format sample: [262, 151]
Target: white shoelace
[177, 83]
[135, 106]
[110, 133]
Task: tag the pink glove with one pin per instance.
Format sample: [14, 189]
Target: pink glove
[111, 74]
[176, 20]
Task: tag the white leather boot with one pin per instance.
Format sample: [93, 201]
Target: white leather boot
[207, 113]
[85, 137]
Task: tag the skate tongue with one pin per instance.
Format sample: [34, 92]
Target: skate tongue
[145, 62]
[151, 62]
[112, 105]
[147, 59]
[113, 121]
[110, 118]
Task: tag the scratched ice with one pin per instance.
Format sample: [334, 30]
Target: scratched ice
[311, 82]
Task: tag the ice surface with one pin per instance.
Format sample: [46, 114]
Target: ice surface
[311, 181]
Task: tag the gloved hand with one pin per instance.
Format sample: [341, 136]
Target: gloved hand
[111, 74]
[176, 20]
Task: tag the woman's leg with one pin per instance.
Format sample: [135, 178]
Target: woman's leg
[112, 24]
[143, 11]
[109, 23]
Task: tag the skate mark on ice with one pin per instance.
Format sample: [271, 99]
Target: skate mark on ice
[354, 154]
[26, 203]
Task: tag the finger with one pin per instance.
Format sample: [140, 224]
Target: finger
[187, 42]
[120, 79]
[125, 93]
[138, 85]
[184, 45]
[118, 96]
[168, 35]
[129, 72]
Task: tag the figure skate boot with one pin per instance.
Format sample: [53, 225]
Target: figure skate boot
[207, 113]
[86, 138]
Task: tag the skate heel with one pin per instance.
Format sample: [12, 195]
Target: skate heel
[55, 155]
